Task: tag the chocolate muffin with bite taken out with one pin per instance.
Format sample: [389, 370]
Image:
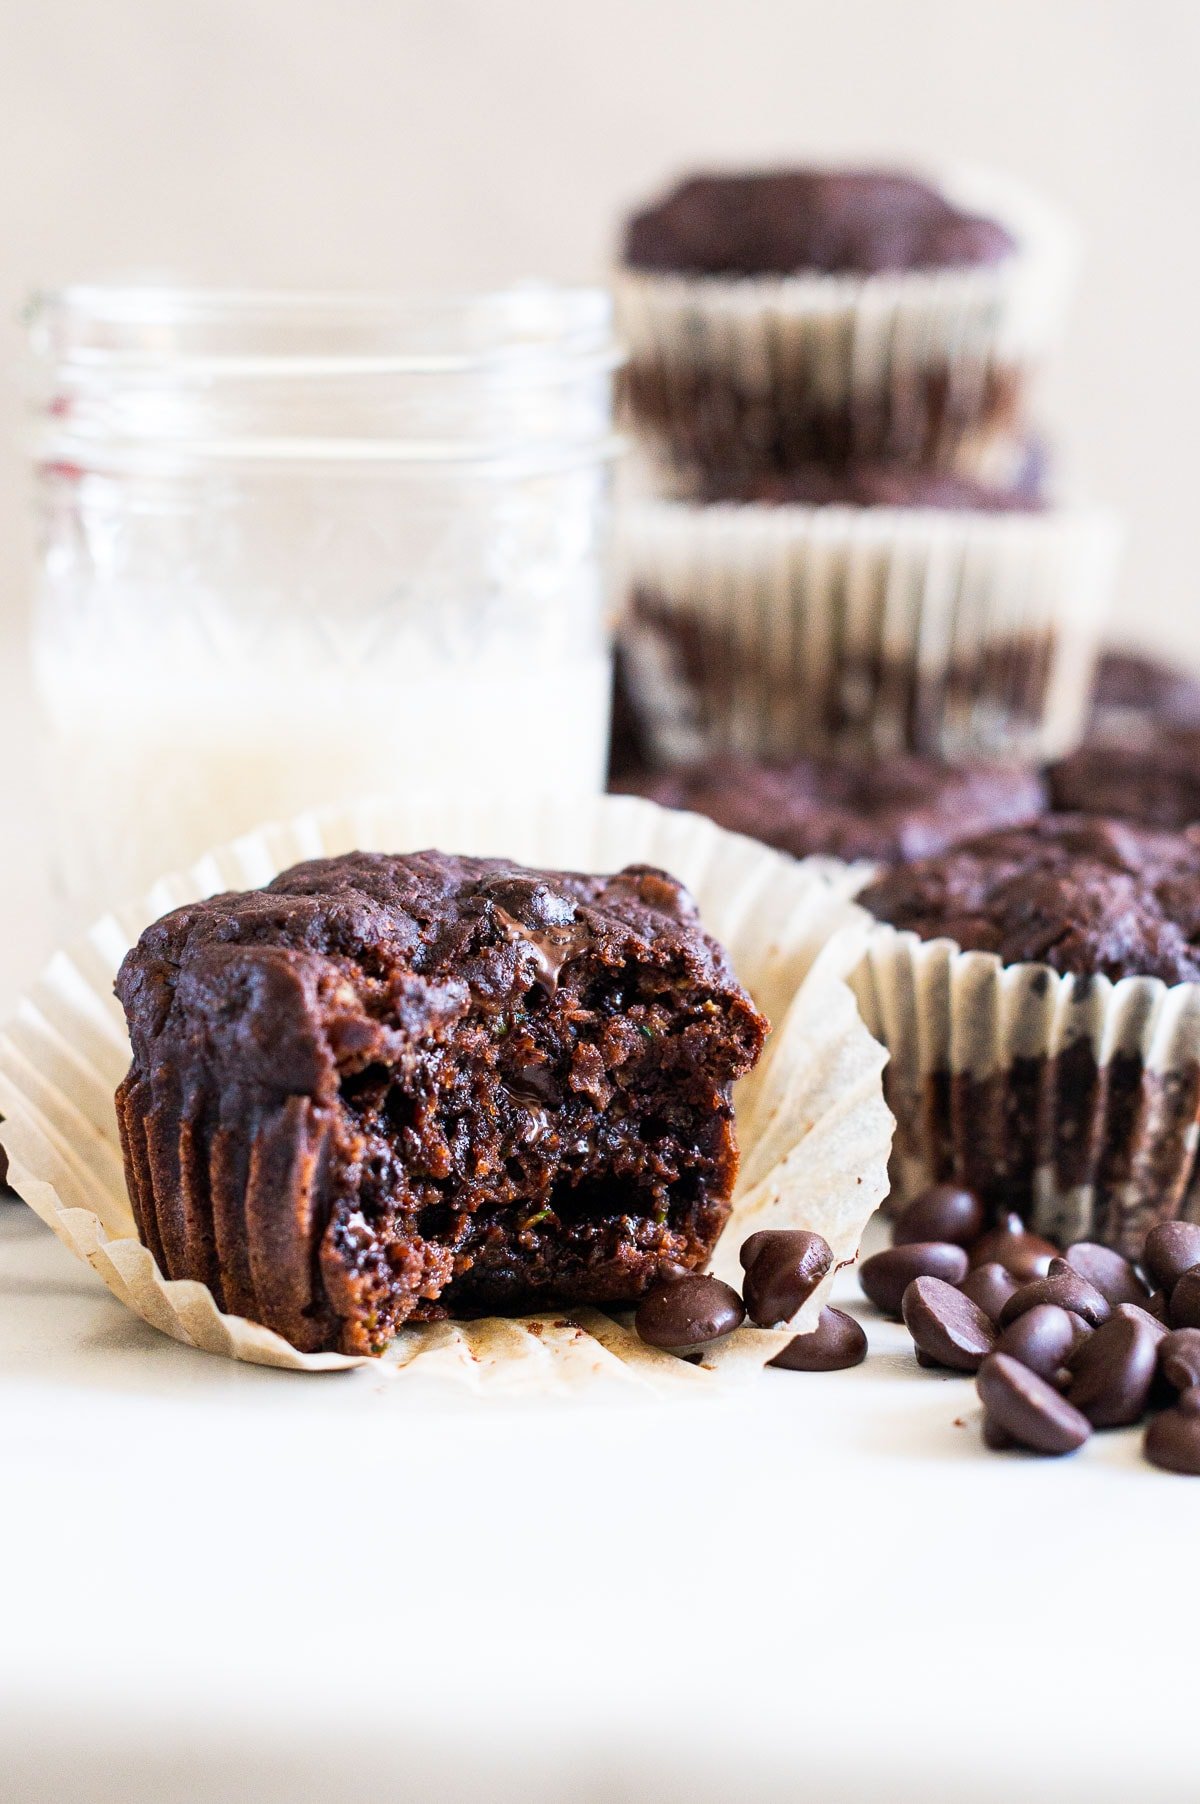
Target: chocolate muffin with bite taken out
[384, 1089]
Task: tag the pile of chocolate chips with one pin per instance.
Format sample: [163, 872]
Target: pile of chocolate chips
[1059, 1345]
[783, 1268]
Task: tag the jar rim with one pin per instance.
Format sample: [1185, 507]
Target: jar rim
[125, 328]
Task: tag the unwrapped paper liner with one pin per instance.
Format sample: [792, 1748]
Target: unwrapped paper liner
[912, 365]
[812, 1124]
[768, 631]
[1072, 1101]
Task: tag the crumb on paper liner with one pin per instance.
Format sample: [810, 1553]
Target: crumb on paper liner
[813, 1127]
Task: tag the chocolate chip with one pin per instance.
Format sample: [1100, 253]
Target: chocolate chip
[1115, 1278]
[943, 1212]
[529, 900]
[1043, 1338]
[1136, 1313]
[995, 1437]
[1024, 1406]
[836, 1342]
[1112, 1371]
[688, 1314]
[1173, 1438]
[990, 1286]
[783, 1268]
[1184, 1308]
[1062, 1286]
[886, 1276]
[946, 1326]
[1179, 1358]
[1172, 1248]
[749, 1247]
[1011, 1245]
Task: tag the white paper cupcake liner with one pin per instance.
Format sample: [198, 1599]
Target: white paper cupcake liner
[812, 1124]
[769, 631]
[753, 371]
[1072, 1101]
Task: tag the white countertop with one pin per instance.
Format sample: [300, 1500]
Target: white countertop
[226, 1581]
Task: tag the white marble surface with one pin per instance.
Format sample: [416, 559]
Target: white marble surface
[222, 1581]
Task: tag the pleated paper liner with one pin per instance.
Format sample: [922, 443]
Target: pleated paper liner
[812, 1124]
[770, 631]
[1073, 1101]
[745, 373]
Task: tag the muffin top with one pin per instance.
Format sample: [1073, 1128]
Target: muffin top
[463, 927]
[787, 221]
[1080, 894]
[1151, 777]
[886, 809]
[881, 485]
[1133, 689]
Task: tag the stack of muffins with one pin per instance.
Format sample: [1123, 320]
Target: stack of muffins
[847, 542]
[860, 624]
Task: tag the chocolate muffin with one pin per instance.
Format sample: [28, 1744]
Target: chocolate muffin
[735, 663]
[1039, 1079]
[1082, 895]
[1152, 778]
[781, 222]
[884, 809]
[863, 608]
[628, 753]
[384, 1089]
[1136, 693]
[884, 485]
[792, 316]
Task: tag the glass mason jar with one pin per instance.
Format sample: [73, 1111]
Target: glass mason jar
[297, 549]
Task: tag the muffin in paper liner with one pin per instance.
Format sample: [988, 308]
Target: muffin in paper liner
[769, 631]
[1072, 1101]
[813, 1128]
[747, 373]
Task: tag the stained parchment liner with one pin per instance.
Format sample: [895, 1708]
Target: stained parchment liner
[812, 1124]
[769, 631]
[930, 366]
[1073, 1101]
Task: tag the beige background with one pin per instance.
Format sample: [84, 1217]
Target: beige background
[421, 142]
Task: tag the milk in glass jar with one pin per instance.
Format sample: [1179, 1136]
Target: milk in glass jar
[297, 549]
